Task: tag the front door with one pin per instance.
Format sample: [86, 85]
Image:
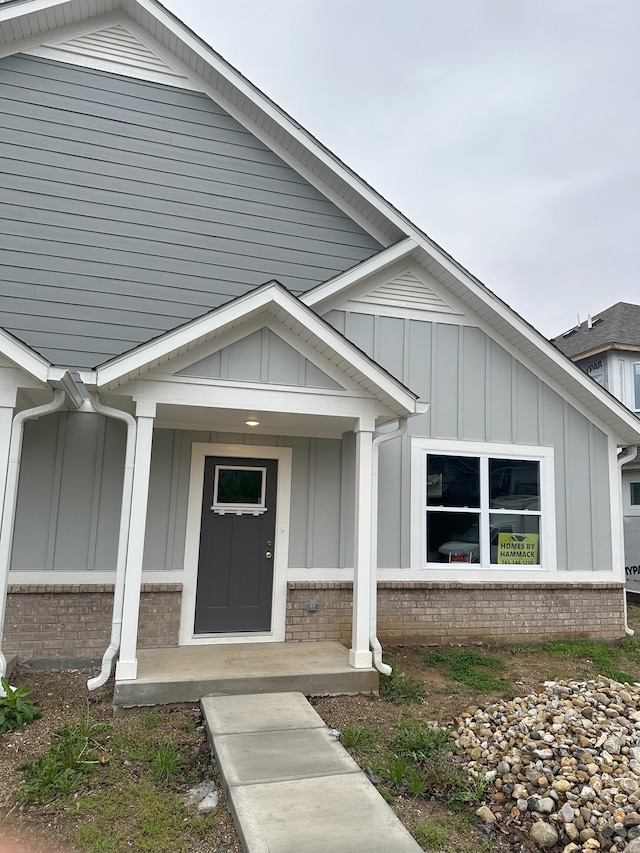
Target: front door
[237, 537]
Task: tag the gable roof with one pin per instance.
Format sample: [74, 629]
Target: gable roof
[273, 303]
[27, 23]
[618, 327]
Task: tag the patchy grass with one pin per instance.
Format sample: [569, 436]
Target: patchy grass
[480, 672]
[606, 658]
[122, 787]
[360, 739]
[401, 689]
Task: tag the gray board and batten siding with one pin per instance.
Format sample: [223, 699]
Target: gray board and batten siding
[128, 207]
[69, 501]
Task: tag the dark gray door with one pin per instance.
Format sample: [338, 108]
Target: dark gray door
[237, 538]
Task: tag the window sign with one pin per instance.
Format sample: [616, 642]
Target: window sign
[518, 548]
[482, 509]
[239, 490]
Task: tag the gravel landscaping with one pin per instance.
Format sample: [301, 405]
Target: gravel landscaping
[563, 764]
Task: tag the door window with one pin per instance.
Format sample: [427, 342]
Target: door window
[239, 490]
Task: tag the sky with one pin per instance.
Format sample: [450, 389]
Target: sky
[507, 130]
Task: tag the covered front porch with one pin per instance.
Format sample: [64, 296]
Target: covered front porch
[264, 373]
[186, 673]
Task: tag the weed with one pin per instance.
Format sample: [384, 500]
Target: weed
[470, 667]
[396, 768]
[431, 835]
[400, 688]
[358, 737]
[166, 762]
[16, 709]
[417, 741]
[74, 752]
[416, 781]
[471, 792]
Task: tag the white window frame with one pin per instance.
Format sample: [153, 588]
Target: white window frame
[635, 371]
[421, 448]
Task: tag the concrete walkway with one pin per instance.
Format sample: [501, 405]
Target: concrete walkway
[291, 786]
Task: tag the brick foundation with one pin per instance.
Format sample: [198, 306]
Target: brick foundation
[72, 624]
[449, 612]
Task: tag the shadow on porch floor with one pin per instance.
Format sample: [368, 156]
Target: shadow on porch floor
[186, 673]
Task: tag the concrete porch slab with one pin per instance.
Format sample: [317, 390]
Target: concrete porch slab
[186, 673]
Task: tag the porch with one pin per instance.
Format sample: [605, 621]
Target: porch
[186, 673]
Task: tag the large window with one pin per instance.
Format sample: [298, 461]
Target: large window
[482, 508]
[636, 386]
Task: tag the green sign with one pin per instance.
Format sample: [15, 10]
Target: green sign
[518, 548]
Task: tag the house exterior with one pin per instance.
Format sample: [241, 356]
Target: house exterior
[244, 400]
[607, 347]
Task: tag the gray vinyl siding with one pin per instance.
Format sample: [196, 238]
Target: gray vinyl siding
[479, 392]
[128, 207]
[70, 493]
[260, 357]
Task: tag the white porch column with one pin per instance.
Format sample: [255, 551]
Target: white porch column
[8, 397]
[127, 666]
[363, 573]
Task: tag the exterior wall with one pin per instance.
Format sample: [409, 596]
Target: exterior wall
[261, 357]
[479, 392]
[71, 485]
[631, 528]
[69, 494]
[431, 612]
[149, 205]
[66, 625]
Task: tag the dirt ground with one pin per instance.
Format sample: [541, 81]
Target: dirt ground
[30, 829]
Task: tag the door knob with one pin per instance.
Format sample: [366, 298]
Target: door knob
[268, 555]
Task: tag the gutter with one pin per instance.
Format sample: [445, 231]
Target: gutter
[628, 454]
[123, 538]
[11, 498]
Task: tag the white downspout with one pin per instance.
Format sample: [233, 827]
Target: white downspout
[628, 454]
[123, 540]
[374, 642]
[11, 499]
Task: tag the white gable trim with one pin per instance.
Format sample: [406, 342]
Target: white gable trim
[24, 358]
[289, 312]
[118, 48]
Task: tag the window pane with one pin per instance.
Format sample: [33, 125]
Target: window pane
[635, 494]
[453, 537]
[636, 385]
[238, 486]
[453, 481]
[514, 484]
[515, 539]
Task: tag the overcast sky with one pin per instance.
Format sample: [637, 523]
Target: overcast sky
[508, 130]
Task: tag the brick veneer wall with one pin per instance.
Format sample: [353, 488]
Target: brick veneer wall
[451, 612]
[72, 624]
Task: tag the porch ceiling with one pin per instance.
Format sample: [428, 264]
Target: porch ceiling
[270, 423]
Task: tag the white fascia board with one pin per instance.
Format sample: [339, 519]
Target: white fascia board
[24, 357]
[597, 394]
[127, 367]
[59, 377]
[341, 283]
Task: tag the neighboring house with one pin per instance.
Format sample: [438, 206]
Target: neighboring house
[607, 347]
[243, 380]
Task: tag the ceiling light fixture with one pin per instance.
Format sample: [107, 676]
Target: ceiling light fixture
[252, 422]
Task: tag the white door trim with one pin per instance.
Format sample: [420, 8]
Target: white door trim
[199, 451]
